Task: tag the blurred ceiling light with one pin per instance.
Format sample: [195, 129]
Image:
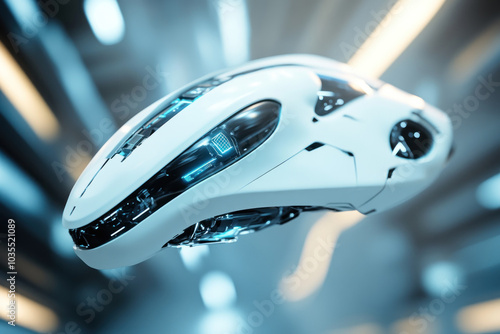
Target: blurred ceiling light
[488, 193]
[235, 30]
[360, 329]
[217, 290]
[483, 50]
[23, 11]
[480, 318]
[21, 93]
[192, 257]
[29, 313]
[398, 29]
[106, 20]
[217, 322]
[438, 277]
[316, 254]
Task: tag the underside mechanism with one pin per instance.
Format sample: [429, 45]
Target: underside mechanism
[226, 228]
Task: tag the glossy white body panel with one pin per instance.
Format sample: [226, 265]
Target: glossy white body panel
[349, 171]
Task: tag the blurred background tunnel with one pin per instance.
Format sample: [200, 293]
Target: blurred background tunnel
[72, 72]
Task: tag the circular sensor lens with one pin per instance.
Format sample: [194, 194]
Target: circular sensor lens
[410, 140]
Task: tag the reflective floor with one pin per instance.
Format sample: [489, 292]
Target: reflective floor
[72, 72]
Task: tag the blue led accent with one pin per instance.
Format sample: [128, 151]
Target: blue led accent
[221, 143]
[191, 175]
[178, 107]
[228, 234]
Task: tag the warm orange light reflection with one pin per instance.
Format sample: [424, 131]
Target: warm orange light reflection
[316, 254]
[21, 93]
[403, 23]
[29, 313]
[480, 318]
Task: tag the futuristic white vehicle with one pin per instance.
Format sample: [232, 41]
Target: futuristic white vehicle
[239, 151]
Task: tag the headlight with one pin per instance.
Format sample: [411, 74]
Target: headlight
[224, 145]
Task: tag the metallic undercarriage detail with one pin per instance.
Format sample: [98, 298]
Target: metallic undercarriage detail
[226, 228]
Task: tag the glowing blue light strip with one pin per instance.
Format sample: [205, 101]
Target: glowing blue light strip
[178, 106]
[229, 234]
[198, 170]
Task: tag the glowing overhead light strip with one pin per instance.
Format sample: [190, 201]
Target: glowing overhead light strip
[235, 30]
[23, 11]
[316, 254]
[403, 23]
[106, 20]
[29, 314]
[21, 93]
[480, 318]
